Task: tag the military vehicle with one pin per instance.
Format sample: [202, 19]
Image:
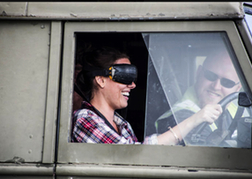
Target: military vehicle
[40, 45]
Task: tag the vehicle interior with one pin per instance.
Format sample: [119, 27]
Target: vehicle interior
[166, 63]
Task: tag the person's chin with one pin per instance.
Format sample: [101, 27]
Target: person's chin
[124, 105]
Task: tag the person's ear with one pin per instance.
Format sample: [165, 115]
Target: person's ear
[100, 80]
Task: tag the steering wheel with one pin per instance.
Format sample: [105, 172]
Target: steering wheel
[228, 99]
[218, 136]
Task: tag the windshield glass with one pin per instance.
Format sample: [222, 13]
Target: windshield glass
[188, 74]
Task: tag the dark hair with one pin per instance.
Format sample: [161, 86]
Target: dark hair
[101, 58]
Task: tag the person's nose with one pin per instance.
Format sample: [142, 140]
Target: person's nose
[216, 84]
[132, 85]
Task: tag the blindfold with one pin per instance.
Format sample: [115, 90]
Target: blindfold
[121, 73]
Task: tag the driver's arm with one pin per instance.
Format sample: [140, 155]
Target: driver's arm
[209, 114]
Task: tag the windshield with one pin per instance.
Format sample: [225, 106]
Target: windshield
[187, 72]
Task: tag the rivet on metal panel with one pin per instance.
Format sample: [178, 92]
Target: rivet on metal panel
[42, 26]
[31, 136]
[30, 151]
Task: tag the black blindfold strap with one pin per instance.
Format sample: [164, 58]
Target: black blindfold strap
[101, 72]
[93, 71]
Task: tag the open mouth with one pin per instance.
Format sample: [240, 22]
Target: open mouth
[125, 94]
[214, 94]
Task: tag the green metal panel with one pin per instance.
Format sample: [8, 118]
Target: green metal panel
[125, 10]
[52, 93]
[119, 172]
[24, 73]
[13, 8]
[25, 171]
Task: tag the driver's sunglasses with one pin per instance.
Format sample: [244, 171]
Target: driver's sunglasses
[211, 76]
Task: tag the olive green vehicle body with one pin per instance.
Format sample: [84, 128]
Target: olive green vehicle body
[36, 69]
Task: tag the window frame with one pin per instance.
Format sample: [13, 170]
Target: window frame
[144, 154]
[247, 6]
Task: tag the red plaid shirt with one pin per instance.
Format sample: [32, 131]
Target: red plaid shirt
[88, 127]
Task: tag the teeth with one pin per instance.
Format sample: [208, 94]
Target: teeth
[125, 93]
[216, 94]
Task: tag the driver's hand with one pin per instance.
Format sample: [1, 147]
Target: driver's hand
[209, 113]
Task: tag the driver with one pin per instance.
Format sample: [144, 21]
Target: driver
[215, 79]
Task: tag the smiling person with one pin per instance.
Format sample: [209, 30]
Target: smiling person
[215, 79]
[108, 79]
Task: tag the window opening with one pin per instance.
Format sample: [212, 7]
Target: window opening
[173, 67]
[167, 67]
[133, 45]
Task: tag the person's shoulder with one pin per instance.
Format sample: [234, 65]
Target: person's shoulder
[186, 104]
[87, 115]
[86, 109]
[82, 112]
